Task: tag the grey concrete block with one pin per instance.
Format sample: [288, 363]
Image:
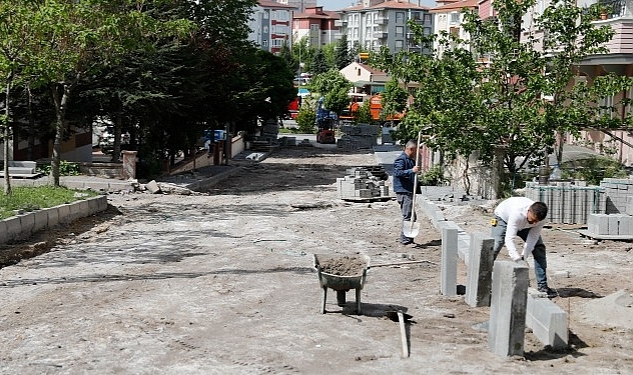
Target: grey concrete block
[84, 208]
[547, 321]
[63, 213]
[27, 222]
[506, 331]
[3, 231]
[14, 228]
[75, 211]
[53, 216]
[41, 220]
[479, 274]
[613, 224]
[449, 260]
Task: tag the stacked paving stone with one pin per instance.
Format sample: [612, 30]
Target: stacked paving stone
[357, 137]
[568, 203]
[618, 191]
[610, 225]
[360, 184]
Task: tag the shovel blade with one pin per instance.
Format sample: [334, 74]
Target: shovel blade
[410, 228]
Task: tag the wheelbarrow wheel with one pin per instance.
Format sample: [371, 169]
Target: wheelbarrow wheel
[324, 300]
[340, 297]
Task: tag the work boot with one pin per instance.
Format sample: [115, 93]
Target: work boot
[551, 293]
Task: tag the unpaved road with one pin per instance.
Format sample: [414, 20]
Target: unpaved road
[224, 284]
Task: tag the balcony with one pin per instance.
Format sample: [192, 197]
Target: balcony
[340, 23]
[380, 34]
[617, 8]
[381, 21]
[621, 21]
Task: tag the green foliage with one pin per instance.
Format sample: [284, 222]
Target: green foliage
[334, 87]
[342, 56]
[489, 90]
[433, 177]
[363, 115]
[319, 63]
[306, 118]
[394, 99]
[66, 168]
[27, 198]
[593, 170]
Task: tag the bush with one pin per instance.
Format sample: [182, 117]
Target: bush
[593, 170]
[433, 177]
[306, 119]
[66, 168]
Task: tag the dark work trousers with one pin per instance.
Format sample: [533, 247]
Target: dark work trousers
[498, 232]
[404, 200]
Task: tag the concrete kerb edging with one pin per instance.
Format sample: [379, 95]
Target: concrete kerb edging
[543, 316]
[22, 226]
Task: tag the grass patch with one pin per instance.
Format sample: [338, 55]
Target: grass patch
[31, 198]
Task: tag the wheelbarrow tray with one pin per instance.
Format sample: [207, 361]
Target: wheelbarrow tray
[341, 282]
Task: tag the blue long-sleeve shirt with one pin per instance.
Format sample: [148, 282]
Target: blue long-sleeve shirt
[403, 175]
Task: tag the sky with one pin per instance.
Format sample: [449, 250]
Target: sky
[339, 4]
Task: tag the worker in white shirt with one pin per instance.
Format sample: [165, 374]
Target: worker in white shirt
[522, 217]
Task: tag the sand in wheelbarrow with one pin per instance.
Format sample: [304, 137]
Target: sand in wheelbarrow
[343, 265]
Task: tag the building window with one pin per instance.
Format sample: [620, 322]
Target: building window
[281, 15]
[607, 103]
[314, 27]
[399, 17]
[400, 31]
[265, 43]
[415, 16]
[399, 45]
[265, 15]
[427, 18]
[368, 32]
[455, 17]
[427, 31]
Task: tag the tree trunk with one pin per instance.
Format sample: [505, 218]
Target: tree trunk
[30, 151]
[7, 136]
[60, 110]
[116, 147]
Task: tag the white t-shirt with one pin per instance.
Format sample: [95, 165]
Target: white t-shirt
[514, 212]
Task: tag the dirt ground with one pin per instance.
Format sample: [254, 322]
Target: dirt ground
[224, 283]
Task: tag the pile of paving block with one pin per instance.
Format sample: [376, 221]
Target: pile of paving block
[616, 221]
[606, 209]
[568, 202]
[357, 137]
[362, 185]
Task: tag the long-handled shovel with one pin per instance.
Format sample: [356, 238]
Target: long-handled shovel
[411, 227]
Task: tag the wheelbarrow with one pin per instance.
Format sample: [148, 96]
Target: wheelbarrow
[344, 272]
[341, 273]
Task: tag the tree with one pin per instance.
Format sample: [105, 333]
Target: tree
[319, 63]
[82, 35]
[394, 99]
[491, 89]
[17, 39]
[342, 56]
[334, 87]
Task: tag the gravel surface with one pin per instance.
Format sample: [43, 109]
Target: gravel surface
[224, 283]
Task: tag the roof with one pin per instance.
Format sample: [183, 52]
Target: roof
[458, 5]
[393, 4]
[327, 14]
[274, 4]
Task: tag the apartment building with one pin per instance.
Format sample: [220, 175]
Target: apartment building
[373, 24]
[618, 60]
[448, 16]
[271, 25]
[317, 25]
[300, 5]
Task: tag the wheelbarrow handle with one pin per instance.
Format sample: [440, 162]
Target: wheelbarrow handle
[399, 263]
